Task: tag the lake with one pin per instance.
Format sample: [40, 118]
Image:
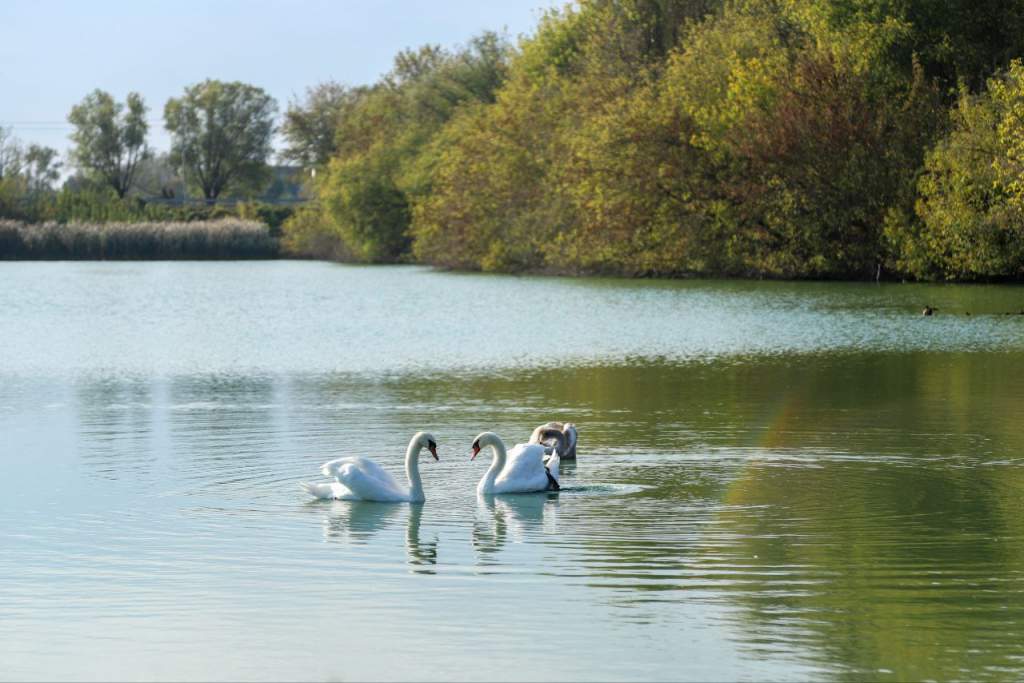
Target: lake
[776, 481]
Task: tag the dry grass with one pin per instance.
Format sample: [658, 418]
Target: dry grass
[228, 238]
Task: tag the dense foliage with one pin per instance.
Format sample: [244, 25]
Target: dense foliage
[779, 138]
[753, 138]
[221, 135]
[110, 138]
[376, 167]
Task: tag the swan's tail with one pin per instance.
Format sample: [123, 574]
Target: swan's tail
[321, 491]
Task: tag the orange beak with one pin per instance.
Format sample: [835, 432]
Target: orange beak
[433, 451]
[476, 450]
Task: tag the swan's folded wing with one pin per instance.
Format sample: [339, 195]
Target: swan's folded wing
[368, 483]
[372, 469]
[365, 465]
[524, 468]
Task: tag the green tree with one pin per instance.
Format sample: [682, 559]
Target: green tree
[221, 136]
[971, 205]
[310, 128]
[380, 164]
[110, 138]
[954, 41]
[780, 138]
[547, 177]
[42, 168]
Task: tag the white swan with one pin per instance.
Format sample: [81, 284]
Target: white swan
[524, 472]
[556, 436]
[363, 479]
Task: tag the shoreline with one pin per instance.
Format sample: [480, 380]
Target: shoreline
[280, 255]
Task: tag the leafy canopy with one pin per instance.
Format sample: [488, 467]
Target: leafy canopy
[109, 138]
[221, 136]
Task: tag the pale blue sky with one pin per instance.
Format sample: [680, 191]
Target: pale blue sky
[52, 53]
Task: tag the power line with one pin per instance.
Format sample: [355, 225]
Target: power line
[66, 124]
[54, 123]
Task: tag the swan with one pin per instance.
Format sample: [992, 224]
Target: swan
[525, 471]
[363, 479]
[557, 437]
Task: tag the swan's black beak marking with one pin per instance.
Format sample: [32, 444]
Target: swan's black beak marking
[476, 449]
[432, 447]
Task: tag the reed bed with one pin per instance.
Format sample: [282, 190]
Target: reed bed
[227, 238]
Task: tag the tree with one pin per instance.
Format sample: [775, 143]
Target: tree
[42, 167]
[379, 163]
[11, 154]
[221, 135]
[971, 205]
[310, 128]
[110, 138]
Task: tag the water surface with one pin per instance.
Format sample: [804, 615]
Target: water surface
[776, 481]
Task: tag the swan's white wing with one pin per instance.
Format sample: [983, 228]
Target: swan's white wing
[369, 481]
[523, 471]
[365, 465]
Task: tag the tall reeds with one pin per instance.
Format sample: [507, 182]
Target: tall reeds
[228, 238]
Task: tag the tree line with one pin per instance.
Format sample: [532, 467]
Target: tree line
[755, 138]
[221, 135]
[752, 138]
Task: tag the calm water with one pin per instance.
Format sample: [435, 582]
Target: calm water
[776, 481]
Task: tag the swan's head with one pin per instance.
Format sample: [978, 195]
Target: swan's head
[482, 441]
[426, 440]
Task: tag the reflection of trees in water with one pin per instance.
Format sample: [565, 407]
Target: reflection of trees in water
[947, 403]
[357, 522]
[341, 415]
[223, 431]
[115, 424]
[856, 565]
[913, 570]
[511, 517]
[217, 411]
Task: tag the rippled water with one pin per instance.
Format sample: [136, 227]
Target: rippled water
[776, 481]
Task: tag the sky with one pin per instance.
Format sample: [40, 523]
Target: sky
[53, 53]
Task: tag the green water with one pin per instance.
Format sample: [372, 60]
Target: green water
[776, 481]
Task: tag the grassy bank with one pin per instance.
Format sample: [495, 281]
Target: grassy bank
[228, 238]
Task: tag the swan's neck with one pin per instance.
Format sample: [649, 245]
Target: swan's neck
[559, 442]
[497, 464]
[412, 471]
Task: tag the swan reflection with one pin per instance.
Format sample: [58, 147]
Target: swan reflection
[357, 522]
[420, 554]
[512, 517]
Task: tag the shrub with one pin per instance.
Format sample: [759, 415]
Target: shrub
[222, 239]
